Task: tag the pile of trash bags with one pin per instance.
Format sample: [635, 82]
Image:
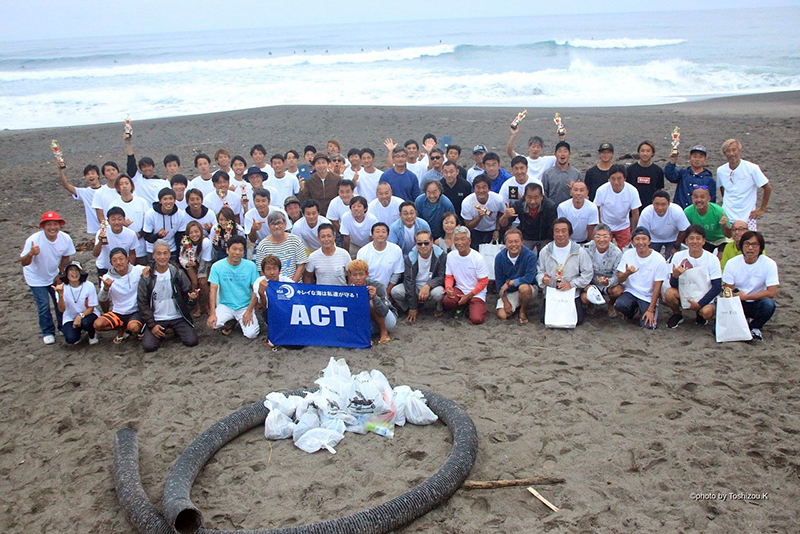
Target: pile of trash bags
[360, 403]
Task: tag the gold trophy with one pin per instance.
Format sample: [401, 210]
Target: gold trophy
[57, 152]
[244, 193]
[103, 233]
[188, 247]
[676, 140]
[128, 128]
[521, 115]
[560, 130]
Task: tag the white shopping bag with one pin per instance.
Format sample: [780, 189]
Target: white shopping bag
[731, 322]
[489, 251]
[560, 310]
[693, 285]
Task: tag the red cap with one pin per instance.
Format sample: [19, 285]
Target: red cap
[52, 216]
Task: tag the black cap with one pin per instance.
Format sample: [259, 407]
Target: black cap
[564, 144]
[606, 147]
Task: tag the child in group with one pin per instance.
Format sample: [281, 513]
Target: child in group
[195, 257]
[225, 228]
[77, 300]
[271, 272]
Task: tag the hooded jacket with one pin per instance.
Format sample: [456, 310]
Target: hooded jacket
[169, 221]
[438, 263]
[180, 289]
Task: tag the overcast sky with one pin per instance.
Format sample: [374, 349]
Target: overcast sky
[49, 19]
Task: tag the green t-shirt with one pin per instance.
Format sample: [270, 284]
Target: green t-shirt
[709, 221]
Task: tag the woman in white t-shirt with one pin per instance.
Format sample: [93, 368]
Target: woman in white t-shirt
[121, 285]
[753, 277]
[77, 300]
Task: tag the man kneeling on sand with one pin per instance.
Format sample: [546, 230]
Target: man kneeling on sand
[515, 276]
[232, 279]
[166, 299]
[605, 255]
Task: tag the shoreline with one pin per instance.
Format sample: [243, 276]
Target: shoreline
[770, 104]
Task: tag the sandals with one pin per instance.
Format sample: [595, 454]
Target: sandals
[120, 338]
[523, 320]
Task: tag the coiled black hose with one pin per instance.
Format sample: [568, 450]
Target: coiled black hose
[181, 513]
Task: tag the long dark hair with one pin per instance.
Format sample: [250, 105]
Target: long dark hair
[202, 236]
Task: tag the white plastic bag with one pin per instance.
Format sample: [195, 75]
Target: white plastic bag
[401, 393]
[280, 402]
[489, 251]
[319, 438]
[560, 311]
[693, 285]
[278, 425]
[337, 368]
[371, 401]
[731, 322]
[307, 422]
[417, 411]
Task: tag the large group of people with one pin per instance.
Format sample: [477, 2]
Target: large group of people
[171, 250]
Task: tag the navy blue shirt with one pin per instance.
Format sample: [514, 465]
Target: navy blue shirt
[405, 186]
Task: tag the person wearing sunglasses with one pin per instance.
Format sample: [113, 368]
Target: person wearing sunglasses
[435, 172]
[691, 177]
[739, 182]
[424, 278]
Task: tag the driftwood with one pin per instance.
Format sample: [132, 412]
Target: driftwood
[494, 484]
[544, 501]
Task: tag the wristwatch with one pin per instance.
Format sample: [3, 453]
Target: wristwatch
[83, 316]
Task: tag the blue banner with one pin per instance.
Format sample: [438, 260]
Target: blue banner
[330, 316]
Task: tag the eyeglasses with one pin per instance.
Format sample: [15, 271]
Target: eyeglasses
[738, 229]
[698, 186]
[423, 243]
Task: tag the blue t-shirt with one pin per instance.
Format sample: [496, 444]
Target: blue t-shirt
[235, 282]
[405, 186]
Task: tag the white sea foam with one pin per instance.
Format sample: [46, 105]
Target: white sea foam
[211, 89]
[231, 65]
[624, 42]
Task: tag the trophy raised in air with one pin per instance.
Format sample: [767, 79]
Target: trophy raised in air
[57, 153]
[128, 128]
[560, 130]
[521, 115]
[676, 140]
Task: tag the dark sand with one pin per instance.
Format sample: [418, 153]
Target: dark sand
[636, 422]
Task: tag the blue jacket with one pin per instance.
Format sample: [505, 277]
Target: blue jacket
[498, 182]
[434, 213]
[687, 180]
[523, 272]
[397, 234]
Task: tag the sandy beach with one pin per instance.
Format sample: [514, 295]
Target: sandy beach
[636, 422]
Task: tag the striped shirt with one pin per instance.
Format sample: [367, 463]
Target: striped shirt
[292, 252]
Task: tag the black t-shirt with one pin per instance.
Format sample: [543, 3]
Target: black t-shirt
[456, 194]
[594, 178]
[646, 180]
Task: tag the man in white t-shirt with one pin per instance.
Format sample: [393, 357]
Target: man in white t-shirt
[165, 300]
[85, 194]
[306, 227]
[641, 271]
[482, 212]
[423, 280]
[514, 188]
[666, 222]
[753, 277]
[259, 155]
[285, 185]
[44, 255]
[222, 196]
[368, 177]
[385, 259]
[537, 163]
[143, 175]
[386, 207]
[466, 279]
[341, 204]
[204, 181]
[108, 193]
[478, 152]
[114, 235]
[618, 204]
[581, 212]
[327, 266]
[255, 220]
[739, 182]
[356, 226]
[695, 257]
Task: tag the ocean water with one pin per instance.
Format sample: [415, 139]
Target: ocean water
[561, 61]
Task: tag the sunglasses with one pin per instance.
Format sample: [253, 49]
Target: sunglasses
[698, 186]
[423, 243]
[436, 157]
